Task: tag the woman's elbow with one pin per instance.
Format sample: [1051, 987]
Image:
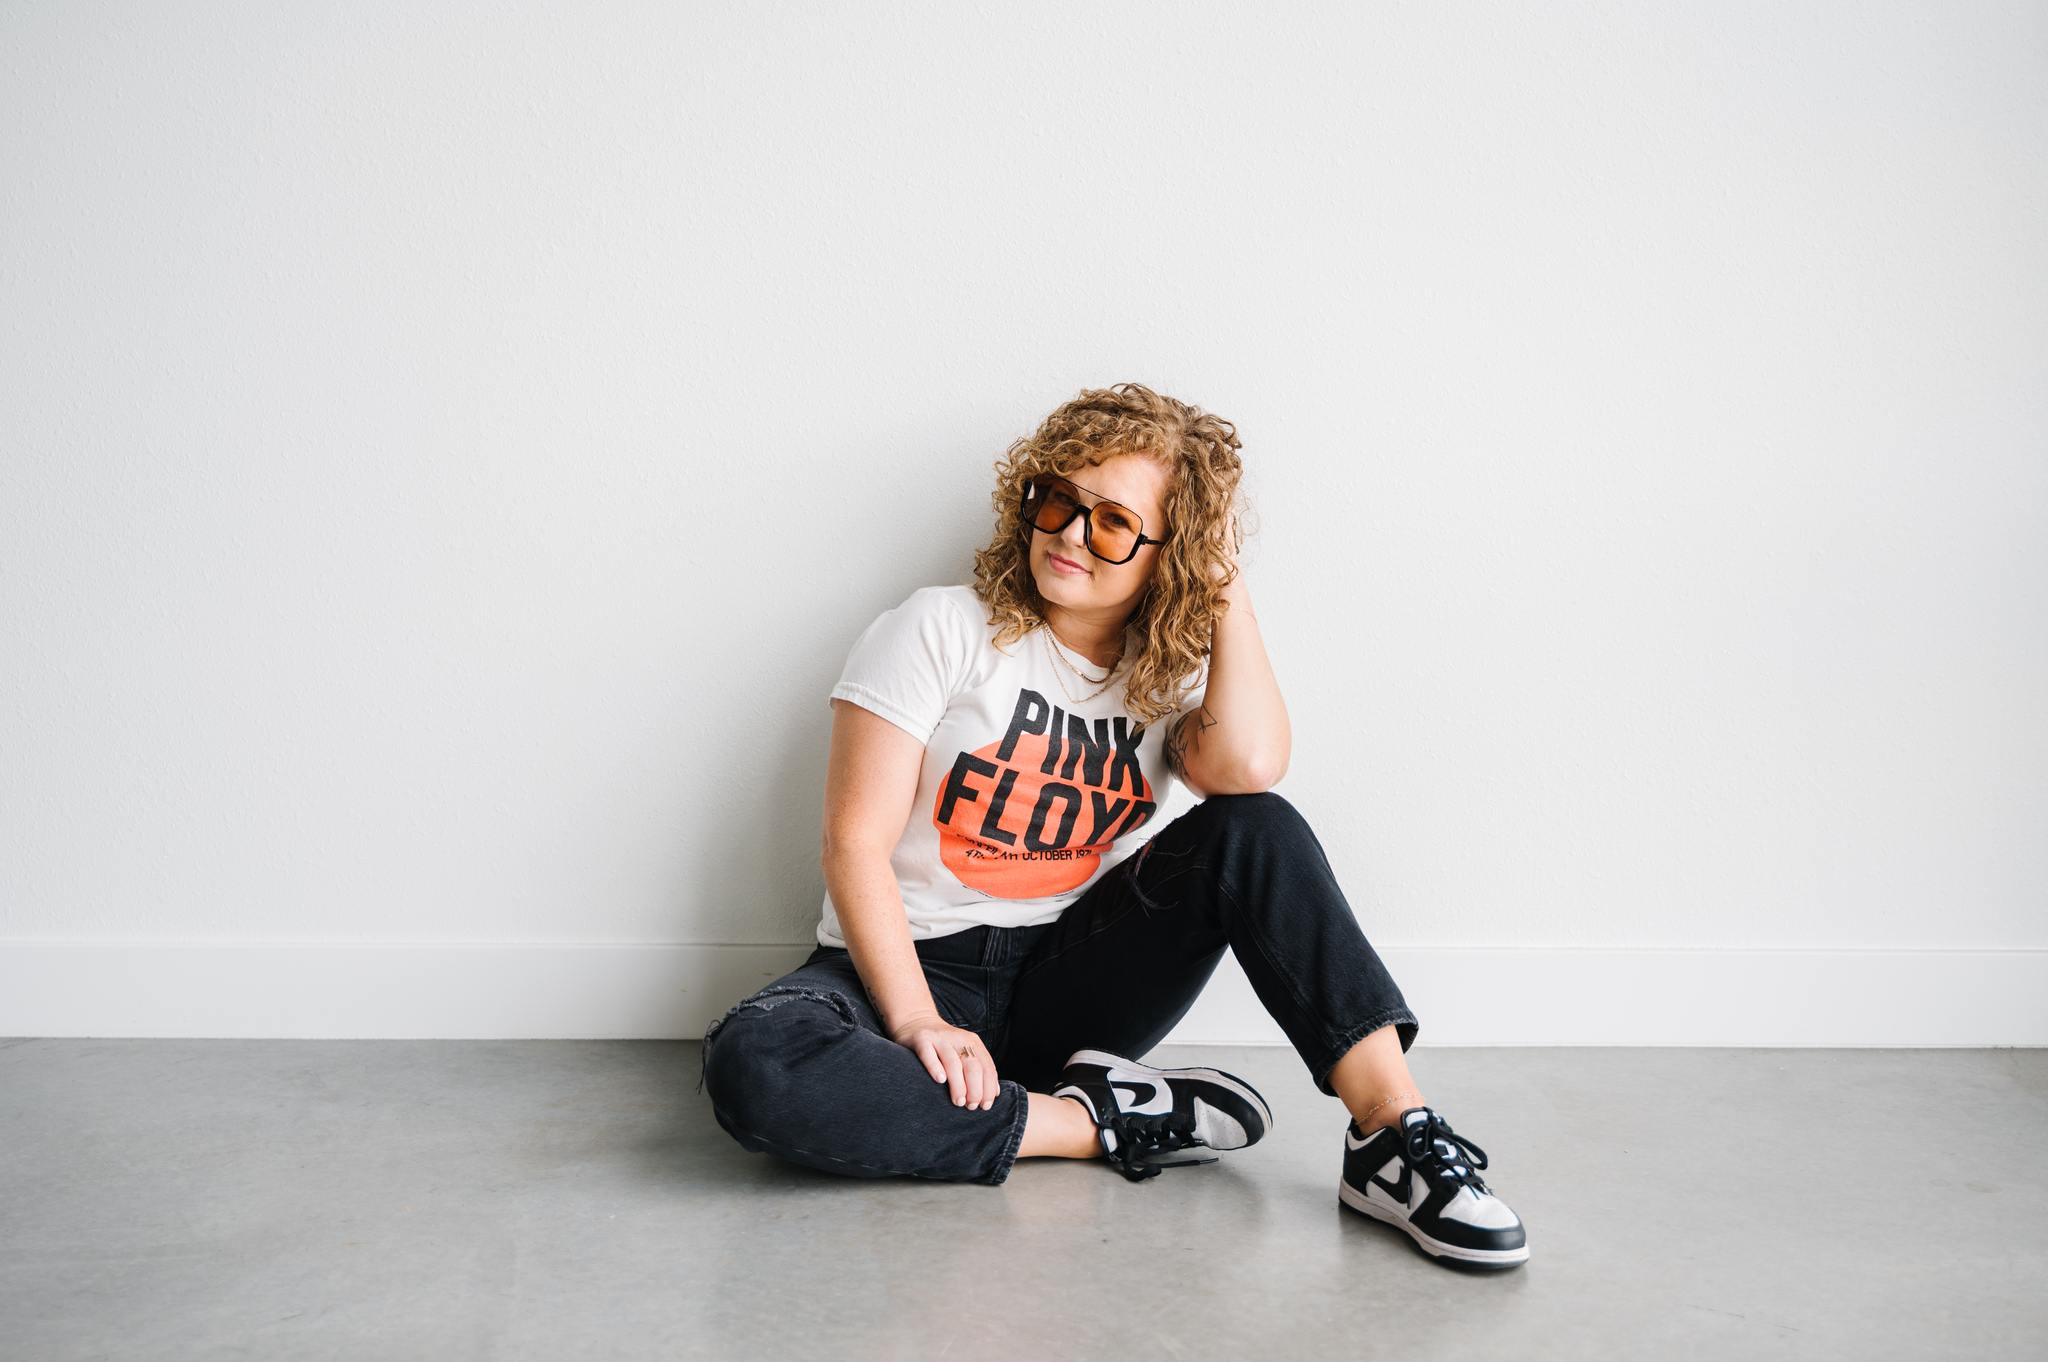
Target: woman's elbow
[1263, 776]
[1254, 774]
[831, 852]
[852, 851]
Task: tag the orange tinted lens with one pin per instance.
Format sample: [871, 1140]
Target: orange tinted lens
[1051, 508]
[1113, 532]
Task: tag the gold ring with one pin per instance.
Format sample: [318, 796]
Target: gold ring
[966, 1053]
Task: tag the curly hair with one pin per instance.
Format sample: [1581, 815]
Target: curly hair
[1179, 609]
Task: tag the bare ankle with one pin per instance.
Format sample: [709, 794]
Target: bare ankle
[1373, 1080]
[1059, 1127]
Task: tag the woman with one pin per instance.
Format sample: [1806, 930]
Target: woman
[1004, 933]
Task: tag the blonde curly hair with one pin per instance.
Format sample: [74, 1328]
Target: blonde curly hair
[1178, 611]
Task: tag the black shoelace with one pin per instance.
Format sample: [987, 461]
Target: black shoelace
[1141, 1137]
[1439, 1152]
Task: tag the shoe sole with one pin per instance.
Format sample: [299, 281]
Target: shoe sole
[1216, 1076]
[1435, 1248]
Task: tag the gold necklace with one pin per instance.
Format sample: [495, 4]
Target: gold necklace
[1054, 651]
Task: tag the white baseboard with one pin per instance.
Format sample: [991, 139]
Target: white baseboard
[1463, 996]
[397, 991]
[1536, 996]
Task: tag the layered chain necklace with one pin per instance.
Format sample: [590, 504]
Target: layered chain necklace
[1058, 655]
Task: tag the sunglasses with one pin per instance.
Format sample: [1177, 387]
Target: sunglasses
[1114, 533]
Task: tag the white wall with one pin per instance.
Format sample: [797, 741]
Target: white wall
[449, 449]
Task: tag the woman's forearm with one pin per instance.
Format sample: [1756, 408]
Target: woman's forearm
[1239, 740]
[869, 905]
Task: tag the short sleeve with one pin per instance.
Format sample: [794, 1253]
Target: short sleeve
[911, 661]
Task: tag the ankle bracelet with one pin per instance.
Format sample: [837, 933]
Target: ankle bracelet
[1377, 1105]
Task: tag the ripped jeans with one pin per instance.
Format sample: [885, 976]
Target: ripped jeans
[806, 1071]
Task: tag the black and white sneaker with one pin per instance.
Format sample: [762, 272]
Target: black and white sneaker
[1141, 1112]
[1419, 1176]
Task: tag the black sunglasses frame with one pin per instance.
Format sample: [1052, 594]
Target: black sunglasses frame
[1087, 514]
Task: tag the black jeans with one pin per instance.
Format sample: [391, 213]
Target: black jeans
[805, 1070]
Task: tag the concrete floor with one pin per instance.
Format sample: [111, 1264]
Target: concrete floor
[570, 1200]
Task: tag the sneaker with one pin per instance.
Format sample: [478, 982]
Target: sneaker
[1140, 1111]
[1424, 1179]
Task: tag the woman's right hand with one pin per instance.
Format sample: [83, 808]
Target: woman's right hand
[870, 787]
[954, 1057]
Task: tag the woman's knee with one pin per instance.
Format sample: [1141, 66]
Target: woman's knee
[1265, 814]
[755, 1058]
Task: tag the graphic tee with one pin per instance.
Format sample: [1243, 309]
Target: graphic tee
[1026, 797]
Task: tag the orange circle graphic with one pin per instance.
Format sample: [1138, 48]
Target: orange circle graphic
[1015, 831]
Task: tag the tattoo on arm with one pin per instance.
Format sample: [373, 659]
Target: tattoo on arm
[1186, 736]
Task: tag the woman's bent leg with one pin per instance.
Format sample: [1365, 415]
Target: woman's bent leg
[802, 1070]
[1126, 960]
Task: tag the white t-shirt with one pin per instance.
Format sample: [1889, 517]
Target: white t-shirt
[1026, 797]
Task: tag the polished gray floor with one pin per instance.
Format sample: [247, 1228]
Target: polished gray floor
[569, 1200]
